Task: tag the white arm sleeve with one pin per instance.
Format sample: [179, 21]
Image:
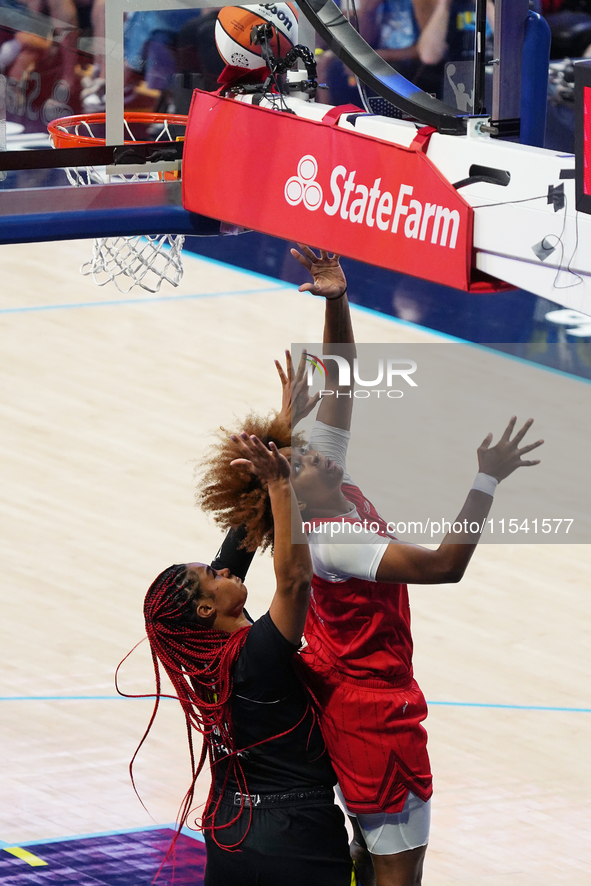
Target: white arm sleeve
[332, 442]
[338, 562]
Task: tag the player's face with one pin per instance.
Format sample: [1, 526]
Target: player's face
[227, 591]
[314, 476]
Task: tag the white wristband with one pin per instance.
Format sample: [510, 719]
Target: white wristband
[485, 483]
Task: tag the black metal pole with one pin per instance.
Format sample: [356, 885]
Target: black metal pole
[479, 57]
[510, 19]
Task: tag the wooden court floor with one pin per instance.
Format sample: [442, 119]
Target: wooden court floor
[106, 405]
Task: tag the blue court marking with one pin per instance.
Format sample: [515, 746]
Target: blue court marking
[187, 832]
[444, 336]
[239, 269]
[509, 707]
[140, 301]
[70, 698]
[459, 704]
[452, 338]
[279, 285]
[131, 857]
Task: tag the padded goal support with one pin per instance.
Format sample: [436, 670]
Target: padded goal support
[30, 216]
[348, 45]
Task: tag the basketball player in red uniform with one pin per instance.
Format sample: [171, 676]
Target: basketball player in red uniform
[359, 645]
[358, 628]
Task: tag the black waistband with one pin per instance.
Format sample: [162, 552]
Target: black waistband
[290, 798]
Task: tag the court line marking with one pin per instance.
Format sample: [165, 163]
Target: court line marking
[33, 860]
[140, 301]
[281, 285]
[462, 704]
[510, 707]
[196, 256]
[187, 832]
[446, 337]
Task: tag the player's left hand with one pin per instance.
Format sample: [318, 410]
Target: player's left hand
[296, 402]
[267, 463]
[505, 457]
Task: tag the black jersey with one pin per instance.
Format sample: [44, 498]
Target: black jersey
[269, 699]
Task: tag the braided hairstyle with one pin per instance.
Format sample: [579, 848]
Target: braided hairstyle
[198, 660]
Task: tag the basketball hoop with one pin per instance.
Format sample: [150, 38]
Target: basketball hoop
[145, 261]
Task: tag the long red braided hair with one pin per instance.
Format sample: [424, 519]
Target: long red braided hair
[198, 661]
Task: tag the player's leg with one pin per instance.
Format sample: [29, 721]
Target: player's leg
[361, 855]
[303, 845]
[402, 869]
[300, 845]
[398, 842]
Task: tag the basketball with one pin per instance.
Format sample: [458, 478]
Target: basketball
[235, 23]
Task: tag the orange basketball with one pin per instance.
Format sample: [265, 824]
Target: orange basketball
[235, 23]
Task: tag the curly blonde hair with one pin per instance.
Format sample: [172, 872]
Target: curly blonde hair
[233, 495]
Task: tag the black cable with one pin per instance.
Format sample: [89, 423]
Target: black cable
[511, 202]
[559, 237]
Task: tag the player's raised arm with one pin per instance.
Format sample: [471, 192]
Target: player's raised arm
[296, 402]
[291, 561]
[417, 565]
[328, 282]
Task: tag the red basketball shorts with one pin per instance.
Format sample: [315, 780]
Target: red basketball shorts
[375, 739]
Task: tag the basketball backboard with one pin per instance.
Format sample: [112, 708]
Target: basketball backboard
[57, 65]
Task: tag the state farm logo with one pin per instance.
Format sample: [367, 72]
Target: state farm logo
[373, 205]
[303, 187]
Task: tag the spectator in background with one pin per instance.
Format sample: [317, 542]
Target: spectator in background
[15, 37]
[449, 33]
[446, 44]
[38, 55]
[93, 81]
[416, 37]
[392, 28]
[149, 47]
[570, 24]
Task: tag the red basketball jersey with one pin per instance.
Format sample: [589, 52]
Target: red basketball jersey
[361, 628]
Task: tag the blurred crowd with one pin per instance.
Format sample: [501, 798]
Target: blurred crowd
[52, 52]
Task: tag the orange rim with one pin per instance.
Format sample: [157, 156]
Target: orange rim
[62, 137]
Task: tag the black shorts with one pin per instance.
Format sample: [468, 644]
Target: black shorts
[301, 845]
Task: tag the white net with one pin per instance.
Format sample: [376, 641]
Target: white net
[144, 261]
[147, 262]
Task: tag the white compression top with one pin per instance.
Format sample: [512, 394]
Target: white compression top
[338, 562]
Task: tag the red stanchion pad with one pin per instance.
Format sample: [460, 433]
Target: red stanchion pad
[313, 182]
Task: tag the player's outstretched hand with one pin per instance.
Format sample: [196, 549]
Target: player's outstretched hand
[327, 274]
[268, 464]
[505, 457]
[296, 402]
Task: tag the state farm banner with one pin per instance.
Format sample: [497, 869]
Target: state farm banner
[335, 189]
